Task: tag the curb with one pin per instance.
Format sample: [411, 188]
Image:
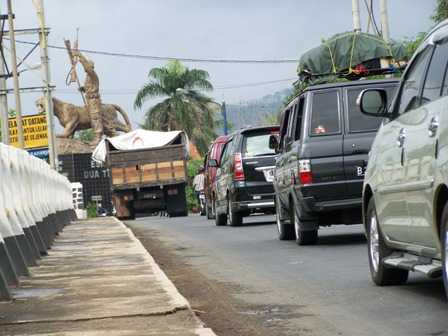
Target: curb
[176, 297]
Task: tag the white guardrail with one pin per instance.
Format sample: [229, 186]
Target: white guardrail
[35, 204]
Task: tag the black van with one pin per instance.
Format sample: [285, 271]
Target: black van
[322, 149]
[244, 179]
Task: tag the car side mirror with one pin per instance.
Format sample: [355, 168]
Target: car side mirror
[273, 142]
[213, 163]
[373, 102]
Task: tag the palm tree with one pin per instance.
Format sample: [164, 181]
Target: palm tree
[184, 107]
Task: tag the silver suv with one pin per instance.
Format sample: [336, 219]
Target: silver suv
[405, 193]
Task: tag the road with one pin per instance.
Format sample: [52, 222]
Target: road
[309, 290]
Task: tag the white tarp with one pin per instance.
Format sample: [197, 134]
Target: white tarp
[138, 139]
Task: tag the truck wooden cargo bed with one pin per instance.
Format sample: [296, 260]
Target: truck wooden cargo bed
[147, 167]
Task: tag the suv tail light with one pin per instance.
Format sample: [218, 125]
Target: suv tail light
[238, 171]
[305, 174]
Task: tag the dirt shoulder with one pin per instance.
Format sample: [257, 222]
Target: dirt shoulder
[211, 300]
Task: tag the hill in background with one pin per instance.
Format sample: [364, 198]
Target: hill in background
[254, 112]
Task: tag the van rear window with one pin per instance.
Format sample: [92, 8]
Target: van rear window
[325, 115]
[358, 122]
[257, 145]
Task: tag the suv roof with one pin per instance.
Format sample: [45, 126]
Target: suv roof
[360, 82]
[256, 128]
[441, 31]
[351, 83]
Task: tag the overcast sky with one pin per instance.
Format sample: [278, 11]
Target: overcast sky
[234, 29]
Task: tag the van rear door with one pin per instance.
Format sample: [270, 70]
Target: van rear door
[258, 161]
[360, 131]
[323, 146]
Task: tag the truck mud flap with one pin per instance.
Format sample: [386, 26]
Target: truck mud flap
[176, 200]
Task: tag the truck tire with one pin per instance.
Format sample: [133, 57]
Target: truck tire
[176, 204]
[377, 251]
[220, 219]
[285, 231]
[444, 240]
[209, 213]
[234, 218]
[303, 237]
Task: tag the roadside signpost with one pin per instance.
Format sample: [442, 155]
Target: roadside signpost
[34, 133]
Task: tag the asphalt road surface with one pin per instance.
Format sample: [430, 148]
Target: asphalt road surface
[310, 290]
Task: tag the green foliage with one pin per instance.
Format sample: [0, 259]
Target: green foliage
[441, 11]
[271, 119]
[12, 113]
[254, 112]
[411, 44]
[91, 210]
[192, 170]
[219, 126]
[85, 136]
[185, 107]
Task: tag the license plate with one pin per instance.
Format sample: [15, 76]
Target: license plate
[360, 171]
[269, 175]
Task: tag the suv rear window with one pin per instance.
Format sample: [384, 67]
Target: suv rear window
[257, 145]
[359, 122]
[325, 114]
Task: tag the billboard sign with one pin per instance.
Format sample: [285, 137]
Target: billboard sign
[34, 131]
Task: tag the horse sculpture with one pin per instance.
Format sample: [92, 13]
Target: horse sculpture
[75, 118]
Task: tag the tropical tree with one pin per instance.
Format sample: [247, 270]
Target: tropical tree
[441, 11]
[184, 107]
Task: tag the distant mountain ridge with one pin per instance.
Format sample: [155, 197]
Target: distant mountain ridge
[254, 112]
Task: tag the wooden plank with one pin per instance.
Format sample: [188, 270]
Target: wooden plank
[179, 169]
[117, 176]
[164, 170]
[132, 174]
[149, 173]
[173, 175]
[143, 156]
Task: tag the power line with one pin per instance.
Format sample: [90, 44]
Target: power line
[256, 83]
[124, 92]
[170, 58]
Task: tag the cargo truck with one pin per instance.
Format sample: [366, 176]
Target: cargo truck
[147, 178]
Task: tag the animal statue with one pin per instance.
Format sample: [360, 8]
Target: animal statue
[75, 118]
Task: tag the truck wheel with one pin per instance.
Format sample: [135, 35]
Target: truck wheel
[444, 240]
[220, 219]
[377, 249]
[303, 237]
[234, 218]
[209, 212]
[285, 231]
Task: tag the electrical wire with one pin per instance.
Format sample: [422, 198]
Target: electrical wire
[170, 58]
[124, 92]
[371, 14]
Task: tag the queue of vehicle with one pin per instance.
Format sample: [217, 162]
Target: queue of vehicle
[371, 151]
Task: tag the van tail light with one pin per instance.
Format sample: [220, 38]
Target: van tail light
[305, 174]
[238, 171]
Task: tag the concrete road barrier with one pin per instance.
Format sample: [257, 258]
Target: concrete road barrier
[35, 205]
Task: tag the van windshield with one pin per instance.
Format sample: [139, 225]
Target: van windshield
[257, 145]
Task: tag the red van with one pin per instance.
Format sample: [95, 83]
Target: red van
[210, 173]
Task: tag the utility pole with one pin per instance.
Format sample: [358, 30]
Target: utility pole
[53, 156]
[15, 76]
[384, 21]
[4, 118]
[356, 16]
[224, 117]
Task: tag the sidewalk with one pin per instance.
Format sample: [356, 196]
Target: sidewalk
[98, 280]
